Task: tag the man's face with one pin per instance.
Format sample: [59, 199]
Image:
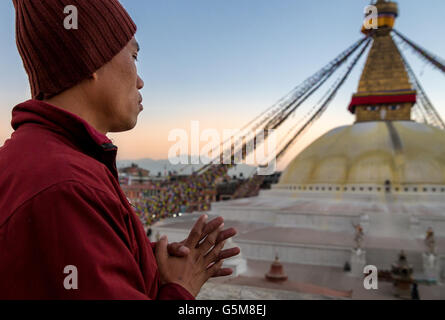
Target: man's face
[117, 90]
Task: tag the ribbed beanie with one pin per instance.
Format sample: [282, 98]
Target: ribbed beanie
[56, 58]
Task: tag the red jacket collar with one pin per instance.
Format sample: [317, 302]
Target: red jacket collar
[77, 130]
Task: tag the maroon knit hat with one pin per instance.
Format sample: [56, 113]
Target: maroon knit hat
[56, 58]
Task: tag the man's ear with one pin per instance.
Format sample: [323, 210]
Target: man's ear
[92, 79]
[94, 76]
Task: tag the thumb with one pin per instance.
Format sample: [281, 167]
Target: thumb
[161, 250]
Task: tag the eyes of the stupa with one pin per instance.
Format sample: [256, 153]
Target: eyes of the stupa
[377, 108]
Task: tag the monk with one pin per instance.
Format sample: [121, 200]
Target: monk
[67, 231]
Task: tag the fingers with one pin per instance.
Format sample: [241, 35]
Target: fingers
[210, 240]
[226, 234]
[161, 251]
[226, 254]
[222, 272]
[213, 255]
[213, 270]
[195, 234]
[211, 226]
[177, 249]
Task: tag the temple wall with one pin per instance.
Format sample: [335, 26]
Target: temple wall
[331, 222]
[295, 253]
[253, 214]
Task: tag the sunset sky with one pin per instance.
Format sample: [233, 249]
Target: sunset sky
[222, 62]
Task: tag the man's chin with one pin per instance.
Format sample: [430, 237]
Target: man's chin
[127, 127]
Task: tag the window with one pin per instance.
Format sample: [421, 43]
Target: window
[394, 107]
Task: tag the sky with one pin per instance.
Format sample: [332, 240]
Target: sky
[223, 62]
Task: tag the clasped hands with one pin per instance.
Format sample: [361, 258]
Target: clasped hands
[191, 262]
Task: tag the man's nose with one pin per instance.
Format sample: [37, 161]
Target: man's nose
[140, 83]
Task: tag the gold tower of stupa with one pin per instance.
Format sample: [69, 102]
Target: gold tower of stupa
[384, 145]
[384, 91]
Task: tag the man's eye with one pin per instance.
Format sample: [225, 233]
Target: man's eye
[135, 57]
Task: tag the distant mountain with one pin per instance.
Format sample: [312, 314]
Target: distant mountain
[163, 166]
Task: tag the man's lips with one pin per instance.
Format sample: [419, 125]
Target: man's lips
[140, 103]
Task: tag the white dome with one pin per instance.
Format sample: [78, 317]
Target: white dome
[403, 152]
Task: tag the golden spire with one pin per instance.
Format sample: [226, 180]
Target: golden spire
[384, 91]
